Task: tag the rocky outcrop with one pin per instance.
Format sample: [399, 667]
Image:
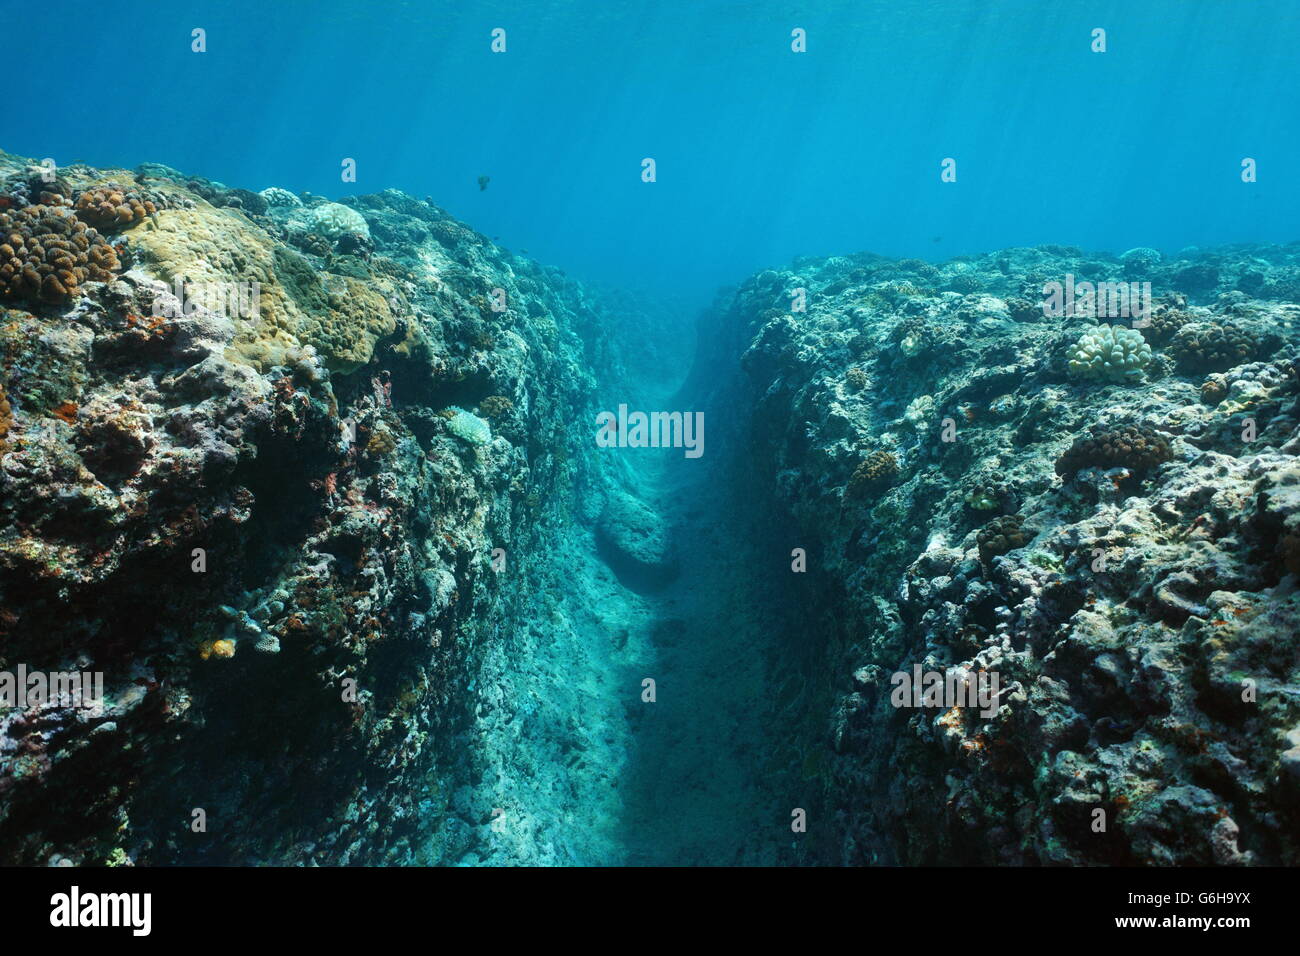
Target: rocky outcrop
[230, 482]
[1139, 608]
[635, 542]
[314, 487]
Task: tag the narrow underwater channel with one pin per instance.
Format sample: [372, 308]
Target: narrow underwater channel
[991, 553]
[578, 765]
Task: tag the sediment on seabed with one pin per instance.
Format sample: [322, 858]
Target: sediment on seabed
[315, 487]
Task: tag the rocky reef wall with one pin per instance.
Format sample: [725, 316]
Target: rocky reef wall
[276, 468]
[314, 487]
[1103, 517]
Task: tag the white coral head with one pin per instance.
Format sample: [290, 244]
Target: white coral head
[335, 219]
[469, 427]
[1110, 353]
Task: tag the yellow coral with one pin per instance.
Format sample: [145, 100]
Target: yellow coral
[6, 413]
[381, 442]
[295, 308]
[496, 406]
[223, 648]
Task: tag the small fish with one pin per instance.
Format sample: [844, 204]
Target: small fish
[483, 181]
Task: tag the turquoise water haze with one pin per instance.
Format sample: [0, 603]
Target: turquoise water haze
[762, 154]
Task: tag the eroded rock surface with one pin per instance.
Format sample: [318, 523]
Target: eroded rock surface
[635, 541]
[1121, 553]
[315, 487]
[257, 524]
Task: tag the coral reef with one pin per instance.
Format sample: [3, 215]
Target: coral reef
[257, 526]
[275, 196]
[1140, 259]
[108, 207]
[313, 579]
[496, 406]
[1000, 536]
[1165, 321]
[877, 469]
[1146, 643]
[1213, 347]
[469, 427]
[335, 220]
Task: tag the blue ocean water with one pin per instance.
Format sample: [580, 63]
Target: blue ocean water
[762, 153]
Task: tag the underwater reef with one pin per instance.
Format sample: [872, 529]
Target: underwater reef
[315, 486]
[279, 529]
[981, 487]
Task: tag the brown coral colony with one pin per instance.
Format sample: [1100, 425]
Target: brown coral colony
[876, 470]
[1002, 535]
[46, 254]
[1136, 447]
[110, 207]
